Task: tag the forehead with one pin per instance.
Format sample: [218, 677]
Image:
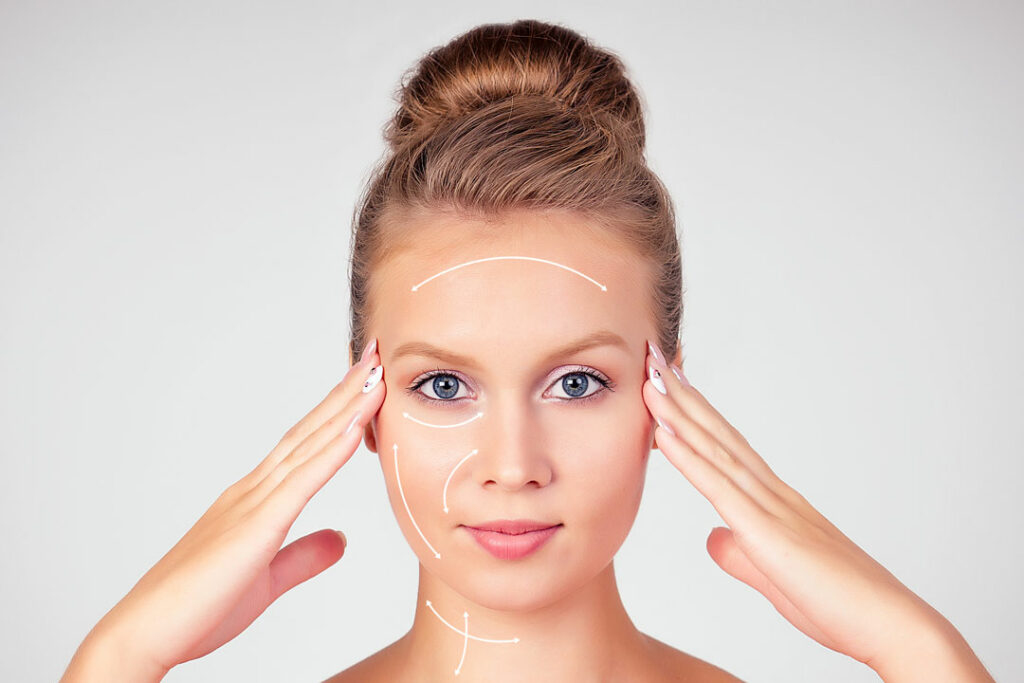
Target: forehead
[465, 291]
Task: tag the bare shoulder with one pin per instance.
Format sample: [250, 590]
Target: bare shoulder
[380, 666]
[680, 666]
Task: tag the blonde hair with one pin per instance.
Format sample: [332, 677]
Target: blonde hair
[524, 116]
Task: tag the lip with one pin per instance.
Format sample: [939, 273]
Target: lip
[512, 539]
[512, 526]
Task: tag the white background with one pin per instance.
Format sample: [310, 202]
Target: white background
[176, 188]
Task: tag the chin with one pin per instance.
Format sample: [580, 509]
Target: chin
[524, 585]
[516, 591]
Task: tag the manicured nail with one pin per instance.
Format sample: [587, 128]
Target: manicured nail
[374, 377]
[653, 348]
[355, 418]
[665, 426]
[656, 379]
[679, 375]
[368, 351]
[342, 534]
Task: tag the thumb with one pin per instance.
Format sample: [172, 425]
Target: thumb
[730, 557]
[304, 558]
[723, 550]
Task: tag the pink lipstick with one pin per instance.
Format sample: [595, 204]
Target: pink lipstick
[512, 539]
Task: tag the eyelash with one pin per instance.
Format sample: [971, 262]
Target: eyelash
[576, 370]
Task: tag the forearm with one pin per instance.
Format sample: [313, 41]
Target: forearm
[942, 654]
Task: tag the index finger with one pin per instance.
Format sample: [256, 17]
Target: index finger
[331, 405]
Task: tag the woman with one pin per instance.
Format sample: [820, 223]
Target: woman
[516, 298]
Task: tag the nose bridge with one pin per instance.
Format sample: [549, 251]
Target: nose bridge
[511, 454]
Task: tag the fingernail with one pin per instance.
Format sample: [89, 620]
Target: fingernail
[665, 426]
[655, 351]
[368, 351]
[342, 534]
[679, 375]
[656, 379]
[373, 378]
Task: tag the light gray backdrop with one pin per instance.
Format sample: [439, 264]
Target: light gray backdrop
[176, 184]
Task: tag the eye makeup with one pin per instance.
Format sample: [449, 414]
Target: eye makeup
[581, 370]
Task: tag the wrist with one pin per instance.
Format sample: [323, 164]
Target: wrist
[105, 656]
[933, 652]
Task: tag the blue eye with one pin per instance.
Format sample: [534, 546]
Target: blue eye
[444, 385]
[575, 383]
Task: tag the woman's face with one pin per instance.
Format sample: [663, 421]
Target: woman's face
[551, 442]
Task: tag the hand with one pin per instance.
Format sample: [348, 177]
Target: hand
[229, 567]
[778, 544]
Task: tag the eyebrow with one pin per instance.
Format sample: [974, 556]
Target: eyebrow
[598, 338]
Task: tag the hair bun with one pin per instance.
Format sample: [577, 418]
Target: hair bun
[545, 68]
[507, 118]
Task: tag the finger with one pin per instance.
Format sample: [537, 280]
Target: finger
[339, 436]
[694, 404]
[736, 507]
[721, 457]
[307, 435]
[282, 505]
[331, 428]
[700, 409]
[301, 482]
[303, 559]
[357, 406]
[337, 396]
[331, 405]
[723, 549]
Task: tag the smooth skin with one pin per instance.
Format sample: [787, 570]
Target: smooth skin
[230, 566]
[777, 543]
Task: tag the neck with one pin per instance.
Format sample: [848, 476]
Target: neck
[585, 635]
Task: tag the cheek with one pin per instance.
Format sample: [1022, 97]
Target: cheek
[419, 467]
[606, 477]
[612, 470]
[626, 426]
[618, 441]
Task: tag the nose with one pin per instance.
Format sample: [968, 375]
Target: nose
[512, 452]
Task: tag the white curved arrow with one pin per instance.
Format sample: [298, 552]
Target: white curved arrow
[406, 503]
[427, 424]
[495, 258]
[466, 632]
[444, 494]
